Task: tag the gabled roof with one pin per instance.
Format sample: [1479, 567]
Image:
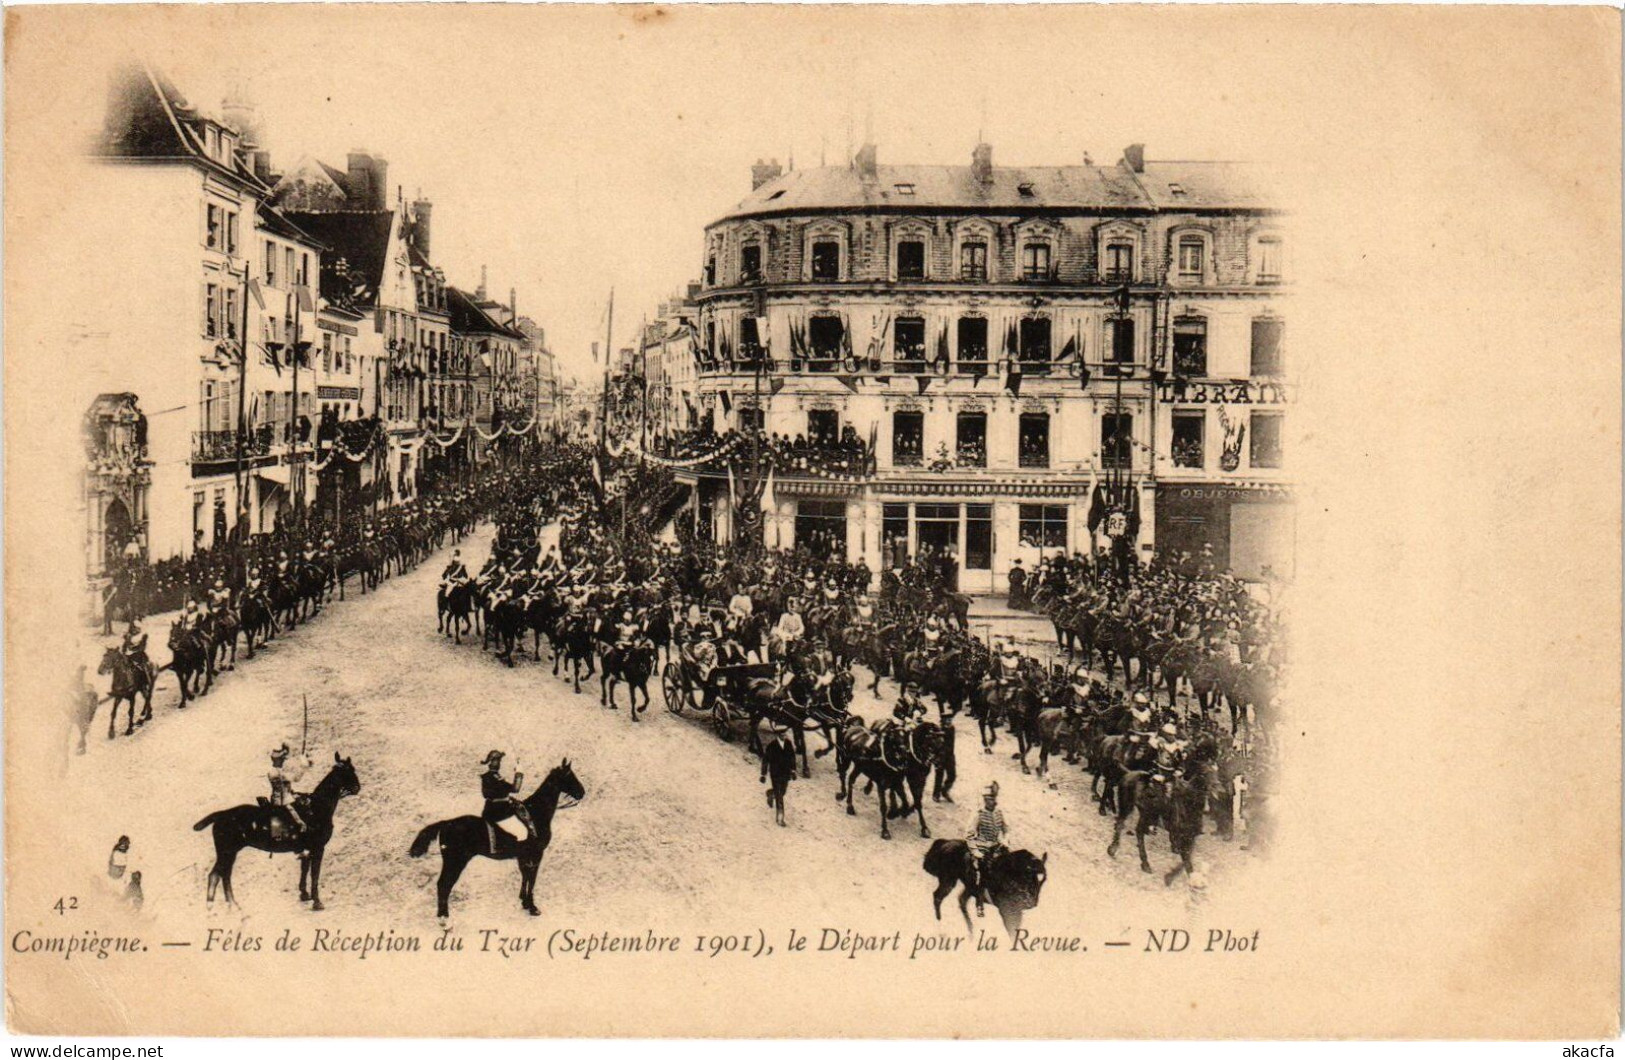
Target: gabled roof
[147, 118]
[468, 318]
[357, 244]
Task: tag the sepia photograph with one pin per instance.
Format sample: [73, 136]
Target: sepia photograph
[510, 502]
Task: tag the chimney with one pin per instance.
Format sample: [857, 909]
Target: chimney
[261, 161]
[981, 163]
[513, 306]
[479, 295]
[1134, 155]
[868, 166]
[422, 213]
[368, 180]
[762, 172]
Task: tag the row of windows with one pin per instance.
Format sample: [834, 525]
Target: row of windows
[295, 271]
[220, 228]
[1034, 345]
[1036, 262]
[1117, 448]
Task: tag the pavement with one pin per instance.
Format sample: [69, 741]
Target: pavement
[675, 825]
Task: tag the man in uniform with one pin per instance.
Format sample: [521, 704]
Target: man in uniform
[283, 796]
[134, 648]
[219, 597]
[946, 770]
[502, 796]
[986, 838]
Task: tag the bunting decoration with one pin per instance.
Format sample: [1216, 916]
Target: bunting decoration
[1012, 376]
[923, 382]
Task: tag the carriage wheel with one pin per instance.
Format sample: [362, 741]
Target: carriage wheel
[720, 719]
[672, 689]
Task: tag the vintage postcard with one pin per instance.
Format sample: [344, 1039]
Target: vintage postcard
[860, 521]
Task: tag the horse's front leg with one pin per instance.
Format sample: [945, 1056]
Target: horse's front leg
[316, 880]
[1139, 834]
[304, 875]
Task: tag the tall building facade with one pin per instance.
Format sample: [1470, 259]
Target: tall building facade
[1009, 345]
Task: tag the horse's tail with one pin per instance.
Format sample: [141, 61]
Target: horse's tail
[207, 821]
[420, 845]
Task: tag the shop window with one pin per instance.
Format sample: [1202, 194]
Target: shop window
[826, 260]
[821, 528]
[1265, 447]
[907, 439]
[973, 261]
[894, 534]
[978, 537]
[970, 445]
[1189, 432]
[1035, 346]
[911, 260]
[1190, 347]
[972, 345]
[1033, 440]
[1267, 359]
[908, 344]
[1117, 440]
[1043, 525]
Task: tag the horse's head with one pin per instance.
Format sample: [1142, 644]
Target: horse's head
[342, 777]
[109, 660]
[562, 778]
[1017, 878]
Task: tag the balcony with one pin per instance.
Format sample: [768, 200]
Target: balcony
[216, 447]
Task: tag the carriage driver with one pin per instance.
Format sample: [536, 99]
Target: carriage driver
[986, 838]
[283, 778]
[502, 796]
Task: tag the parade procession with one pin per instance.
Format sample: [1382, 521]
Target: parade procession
[934, 540]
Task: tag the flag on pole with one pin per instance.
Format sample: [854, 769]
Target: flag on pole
[255, 293]
[730, 488]
[767, 504]
[1097, 502]
[306, 302]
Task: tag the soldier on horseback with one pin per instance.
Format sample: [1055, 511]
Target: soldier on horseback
[986, 840]
[456, 572]
[284, 797]
[219, 597]
[502, 795]
[134, 649]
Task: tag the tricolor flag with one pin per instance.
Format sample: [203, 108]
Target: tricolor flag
[255, 293]
[597, 472]
[767, 494]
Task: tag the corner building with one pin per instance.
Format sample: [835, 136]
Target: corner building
[1006, 336]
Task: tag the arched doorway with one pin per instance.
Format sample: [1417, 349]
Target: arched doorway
[117, 529]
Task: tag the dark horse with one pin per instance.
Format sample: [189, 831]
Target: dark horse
[1178, 807]
[896, 763]
[128, 684]
[268, 828]
[632, 663]
[191, 657]
[1012, 879]
[464, 838]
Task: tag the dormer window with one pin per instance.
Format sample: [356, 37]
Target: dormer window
[1269, 260]
[1176, 189]
[1119, 261]
[775, 195]
[910, 260]
[1035, 264]
[1025, 190]
[826, 260]
[750, 263]
[1190, 258]
[904, 189]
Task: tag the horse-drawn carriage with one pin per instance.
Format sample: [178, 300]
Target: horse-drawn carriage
[726, 687]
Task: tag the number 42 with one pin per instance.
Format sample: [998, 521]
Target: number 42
[65, 905]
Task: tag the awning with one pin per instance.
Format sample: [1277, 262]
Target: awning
[274, 473]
